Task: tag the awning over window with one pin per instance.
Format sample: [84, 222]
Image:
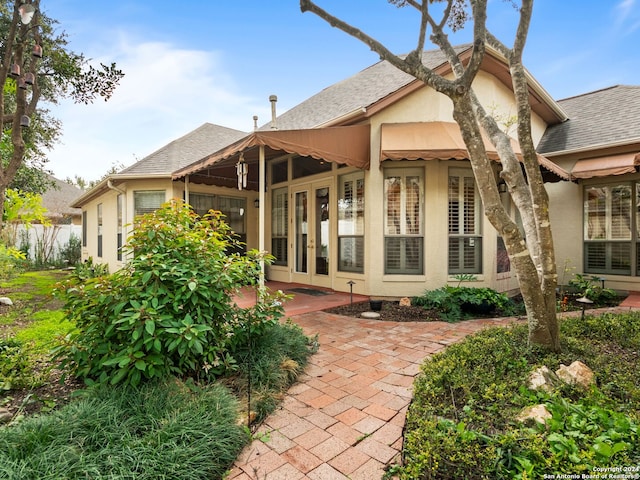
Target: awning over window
[605, 166]
[345, 145]
[439, 141]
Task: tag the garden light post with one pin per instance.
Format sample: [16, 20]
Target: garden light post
[584, 301]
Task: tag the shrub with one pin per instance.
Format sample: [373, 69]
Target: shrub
[71, 252]
[17, 367]
[589, 286]
[170, 310]
[11, 262]
[456, 303]
[461, 423]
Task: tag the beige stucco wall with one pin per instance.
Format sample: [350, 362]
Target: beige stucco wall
[108, 199]
[423, 106]
[567, 219]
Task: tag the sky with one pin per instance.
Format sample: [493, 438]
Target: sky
[218, 61]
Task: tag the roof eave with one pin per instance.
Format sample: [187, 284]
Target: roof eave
[591, 148]
[103, 186]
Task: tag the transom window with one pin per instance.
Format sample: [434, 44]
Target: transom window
[403, 221]
[465, 239]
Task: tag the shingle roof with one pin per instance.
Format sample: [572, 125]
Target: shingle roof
[607, 116]
[359, 91]
[193, 146]
[57, 199]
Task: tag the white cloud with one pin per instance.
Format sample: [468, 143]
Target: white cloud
[627, 16]
[165, 93]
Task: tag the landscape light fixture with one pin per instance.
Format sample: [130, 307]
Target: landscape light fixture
[584, 301]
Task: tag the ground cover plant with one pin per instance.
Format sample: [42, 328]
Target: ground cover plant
[158, 430]
[187, 418]
[462, 424]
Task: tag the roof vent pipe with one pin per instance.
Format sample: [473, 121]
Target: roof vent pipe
[273, 99]
[255, 123]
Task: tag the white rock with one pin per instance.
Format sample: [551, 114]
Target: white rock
[6, 301]
[539, 413]
[542, 379]
[576, 373]
[370, 315]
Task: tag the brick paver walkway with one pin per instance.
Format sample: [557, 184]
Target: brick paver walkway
[345, 416]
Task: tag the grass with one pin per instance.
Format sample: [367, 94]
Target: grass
[157, 431]
[462, 424]
[172, 430]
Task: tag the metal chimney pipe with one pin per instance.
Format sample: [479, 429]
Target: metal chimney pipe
[255, 123]
[273, 99]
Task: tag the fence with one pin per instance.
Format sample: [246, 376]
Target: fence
[45, 244]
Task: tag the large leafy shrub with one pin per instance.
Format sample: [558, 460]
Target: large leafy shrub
[170, 310]
[456, 302]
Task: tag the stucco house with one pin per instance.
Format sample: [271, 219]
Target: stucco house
[367, 184]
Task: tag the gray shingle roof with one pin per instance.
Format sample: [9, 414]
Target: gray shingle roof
[359, 91]
[57, 199]
[193, 146]
[607, 116]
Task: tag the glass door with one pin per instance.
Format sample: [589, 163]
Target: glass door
[312, 247]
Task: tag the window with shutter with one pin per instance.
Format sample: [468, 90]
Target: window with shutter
[465, 239]
[351, 223]
[403, 221]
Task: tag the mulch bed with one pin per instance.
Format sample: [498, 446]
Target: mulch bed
[391, 311]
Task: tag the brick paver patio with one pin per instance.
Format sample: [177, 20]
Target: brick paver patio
[345, 416]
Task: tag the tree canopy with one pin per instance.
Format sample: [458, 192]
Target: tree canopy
[39, 50]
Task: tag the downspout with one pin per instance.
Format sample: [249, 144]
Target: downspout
[187, 194]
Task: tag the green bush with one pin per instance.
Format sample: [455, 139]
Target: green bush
[457, 303]
[170, 310]
[71, 252]
[590, 286]
[462, 424]
[17, 367]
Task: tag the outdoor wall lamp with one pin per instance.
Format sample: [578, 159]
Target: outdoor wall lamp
[502, 186]
[256, 203]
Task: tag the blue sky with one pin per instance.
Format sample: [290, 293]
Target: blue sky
[217, 61]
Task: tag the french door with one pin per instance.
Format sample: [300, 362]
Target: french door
[312, 249]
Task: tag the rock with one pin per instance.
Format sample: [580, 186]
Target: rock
[5, 416]
[5, 301]
[576, 373]
[405, 302]
[539, 413]
[370, 315]
[542, 379]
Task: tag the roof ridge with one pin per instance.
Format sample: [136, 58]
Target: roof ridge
[603, 89]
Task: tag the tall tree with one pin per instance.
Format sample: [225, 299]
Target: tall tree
[37, 66]
[532, 255]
